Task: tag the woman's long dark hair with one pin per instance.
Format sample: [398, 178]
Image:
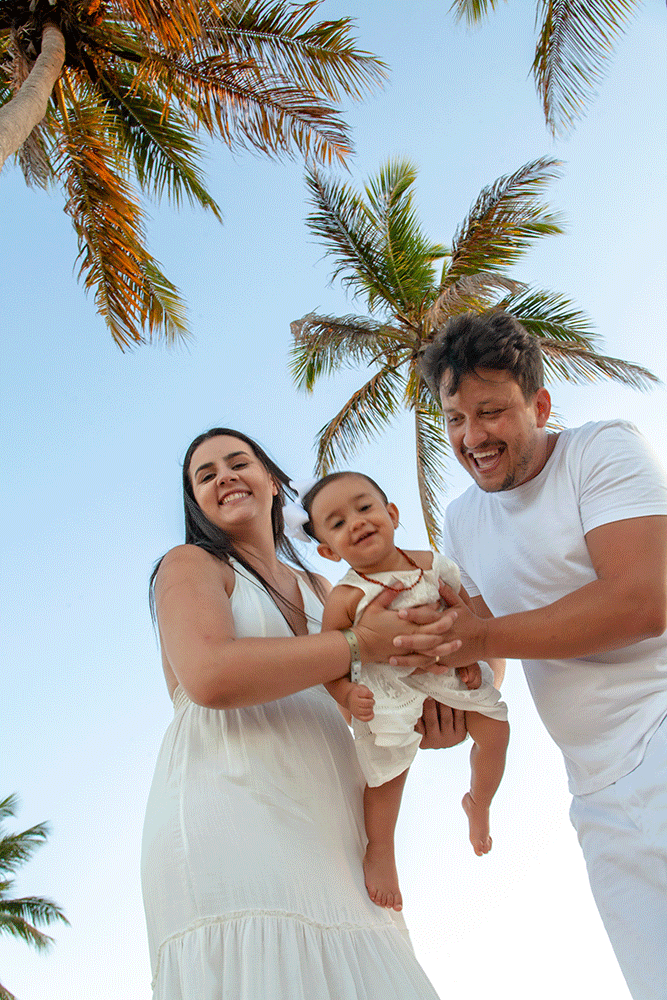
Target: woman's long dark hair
[202, 532]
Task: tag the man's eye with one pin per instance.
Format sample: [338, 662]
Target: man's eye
[490, 413]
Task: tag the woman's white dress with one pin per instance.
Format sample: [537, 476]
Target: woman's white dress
[252, 851]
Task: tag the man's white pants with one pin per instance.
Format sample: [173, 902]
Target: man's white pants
[622, 830]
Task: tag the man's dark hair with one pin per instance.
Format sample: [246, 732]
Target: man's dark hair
[494, 340]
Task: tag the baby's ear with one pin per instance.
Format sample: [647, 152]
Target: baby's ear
[328, 553]
[392, 510]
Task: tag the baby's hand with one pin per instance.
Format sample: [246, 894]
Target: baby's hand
[470, 675]
[360, 702]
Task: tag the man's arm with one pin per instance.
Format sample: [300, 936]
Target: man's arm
[496, 663]
[626, 603]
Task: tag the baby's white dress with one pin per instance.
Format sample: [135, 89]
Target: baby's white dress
[387, 745]
[252, 850]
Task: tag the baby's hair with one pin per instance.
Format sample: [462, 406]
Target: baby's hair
[308, 498]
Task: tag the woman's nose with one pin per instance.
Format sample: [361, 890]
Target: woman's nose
[226, 476]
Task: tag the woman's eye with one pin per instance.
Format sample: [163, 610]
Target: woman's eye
[205, 479]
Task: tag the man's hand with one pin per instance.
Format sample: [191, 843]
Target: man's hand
[463, 631]
[440, 726]
[379, 627]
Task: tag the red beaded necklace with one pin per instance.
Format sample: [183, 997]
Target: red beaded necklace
[397, 590]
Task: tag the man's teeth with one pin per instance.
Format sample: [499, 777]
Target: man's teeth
[484, 454]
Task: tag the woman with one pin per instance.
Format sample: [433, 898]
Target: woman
[253, 840]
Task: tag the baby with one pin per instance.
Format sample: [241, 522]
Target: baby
[352, 520]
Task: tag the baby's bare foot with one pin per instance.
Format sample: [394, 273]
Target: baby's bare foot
[478, 819]
[381, 876]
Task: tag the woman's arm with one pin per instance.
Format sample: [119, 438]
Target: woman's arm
[219, 670]
[353, 699]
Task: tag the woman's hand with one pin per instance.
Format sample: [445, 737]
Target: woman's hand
[378, 629]
[464, 632]
[440, 726]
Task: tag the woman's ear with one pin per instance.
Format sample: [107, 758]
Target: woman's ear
[328, 553]
[392, 510]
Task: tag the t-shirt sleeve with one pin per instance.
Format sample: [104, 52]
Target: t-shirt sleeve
[447, 571]
[619, 476]
[450, 549]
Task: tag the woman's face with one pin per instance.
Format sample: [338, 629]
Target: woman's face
[230, 484]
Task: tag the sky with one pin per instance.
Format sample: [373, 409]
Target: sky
[92, 440]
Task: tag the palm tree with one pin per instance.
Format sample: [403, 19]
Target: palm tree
[382, 253]
[104, 96]
[19, 916]
[576, 40]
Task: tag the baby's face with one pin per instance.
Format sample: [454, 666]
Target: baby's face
[352, 522]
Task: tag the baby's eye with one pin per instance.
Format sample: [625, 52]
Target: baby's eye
[365, 506]
[338, 524]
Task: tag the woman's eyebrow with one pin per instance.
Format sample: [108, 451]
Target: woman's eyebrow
[206, 465]
[226, 458]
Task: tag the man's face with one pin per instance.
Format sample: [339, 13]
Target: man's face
[498, 436]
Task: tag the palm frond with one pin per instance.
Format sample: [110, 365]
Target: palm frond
[172, 23]
[572, 363]
[575, 44]
[342, 224]
[469, 293]
[15, 926]
[247, 107]
[5, 994]
[318, 57]
[401, 244]
[34, 908]
[17, 848]
[504, 221]
[431, 447]
[158, 141]
[324, 344]
[130, 290]
[9, 806]
[363, 418]
[472, 10]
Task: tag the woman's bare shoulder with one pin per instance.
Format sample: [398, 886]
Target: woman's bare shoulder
[184, 560]
[321, 580]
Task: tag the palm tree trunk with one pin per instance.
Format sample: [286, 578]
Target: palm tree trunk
[20, 115]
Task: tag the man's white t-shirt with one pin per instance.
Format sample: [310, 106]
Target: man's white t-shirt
[524, 548]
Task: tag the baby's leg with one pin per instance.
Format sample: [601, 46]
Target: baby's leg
[487, 763]
[381, 806]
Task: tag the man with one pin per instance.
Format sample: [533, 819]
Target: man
[563, 537]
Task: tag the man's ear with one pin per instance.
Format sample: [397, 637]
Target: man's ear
[392, 510]
[328, 553]
[543, 406]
